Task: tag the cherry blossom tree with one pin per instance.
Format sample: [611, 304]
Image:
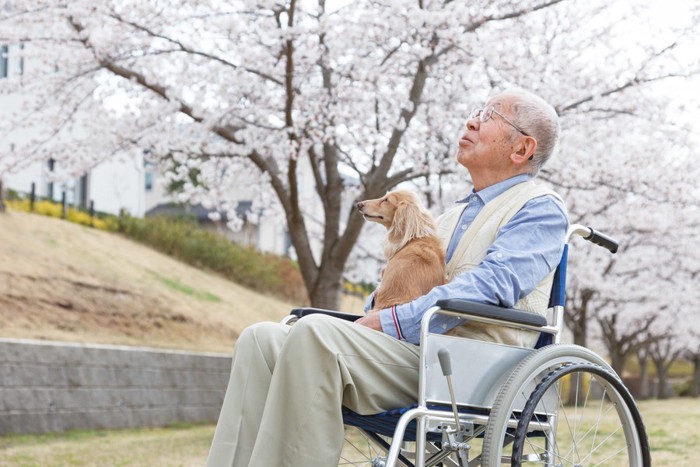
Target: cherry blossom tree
[308, 105]
[624, 342]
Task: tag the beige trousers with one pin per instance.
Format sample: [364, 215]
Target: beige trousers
[283, 403]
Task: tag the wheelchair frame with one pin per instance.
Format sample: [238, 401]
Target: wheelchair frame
[527, 380]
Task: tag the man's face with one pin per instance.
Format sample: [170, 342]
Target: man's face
[487, 145]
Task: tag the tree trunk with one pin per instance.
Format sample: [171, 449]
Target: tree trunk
[2, 198]
[580, 331]
[643, 376]
[695, 388]
[661, 365]
[617, 362]
[663, 356]
[326, 293]
[662, 377]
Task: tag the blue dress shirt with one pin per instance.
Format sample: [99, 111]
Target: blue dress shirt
[526, 249]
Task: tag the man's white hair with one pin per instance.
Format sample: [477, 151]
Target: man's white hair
[539, 120]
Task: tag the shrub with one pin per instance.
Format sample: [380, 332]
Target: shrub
[50, 209]
[11, 195]
[684, 389]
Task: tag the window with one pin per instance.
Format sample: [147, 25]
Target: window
[49, 186]
[11, 60]
[4, 53]
[148, 173]
[20, 65]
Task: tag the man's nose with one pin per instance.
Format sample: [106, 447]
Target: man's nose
[473, 124]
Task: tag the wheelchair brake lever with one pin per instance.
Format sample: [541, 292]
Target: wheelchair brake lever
[455, 440]
[446, 366]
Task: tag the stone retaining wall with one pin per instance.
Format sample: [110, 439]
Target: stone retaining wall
[56, 386]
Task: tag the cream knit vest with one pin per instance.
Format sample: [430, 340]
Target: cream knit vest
[472, 249]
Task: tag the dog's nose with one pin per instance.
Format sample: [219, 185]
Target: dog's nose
[360, 205]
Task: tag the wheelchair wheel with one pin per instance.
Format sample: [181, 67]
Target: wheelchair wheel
[515, 393]
[358, 449]
[370, 450]
[362, 450]
[599, 426]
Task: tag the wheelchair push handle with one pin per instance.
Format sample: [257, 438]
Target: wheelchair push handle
[603, 240]
[592, 235]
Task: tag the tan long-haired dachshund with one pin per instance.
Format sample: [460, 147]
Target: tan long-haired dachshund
[416, 260]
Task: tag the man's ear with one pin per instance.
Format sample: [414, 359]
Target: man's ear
[523, 150]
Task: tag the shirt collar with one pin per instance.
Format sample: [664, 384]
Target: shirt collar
[491, 192]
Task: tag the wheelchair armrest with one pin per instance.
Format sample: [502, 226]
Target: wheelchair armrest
[301, 312]
[493, 312]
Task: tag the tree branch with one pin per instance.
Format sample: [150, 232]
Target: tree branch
[514, 14]
[636, 80]
[182, 47]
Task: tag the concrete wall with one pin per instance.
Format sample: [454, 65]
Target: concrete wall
[54, 386]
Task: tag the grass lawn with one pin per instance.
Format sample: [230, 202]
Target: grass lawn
[178, 446]
[673, 427]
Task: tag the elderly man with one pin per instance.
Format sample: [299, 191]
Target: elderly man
[283, 406]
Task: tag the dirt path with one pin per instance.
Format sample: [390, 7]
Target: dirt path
[61, 281]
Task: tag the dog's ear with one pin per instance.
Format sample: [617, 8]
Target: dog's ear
[410, 221]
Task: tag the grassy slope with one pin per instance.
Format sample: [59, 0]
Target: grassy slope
[61, 281]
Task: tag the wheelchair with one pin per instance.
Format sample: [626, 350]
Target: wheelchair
[553, 405]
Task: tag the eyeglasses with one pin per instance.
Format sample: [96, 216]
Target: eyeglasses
[487, 112]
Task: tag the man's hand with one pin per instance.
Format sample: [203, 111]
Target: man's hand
[371, 320]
